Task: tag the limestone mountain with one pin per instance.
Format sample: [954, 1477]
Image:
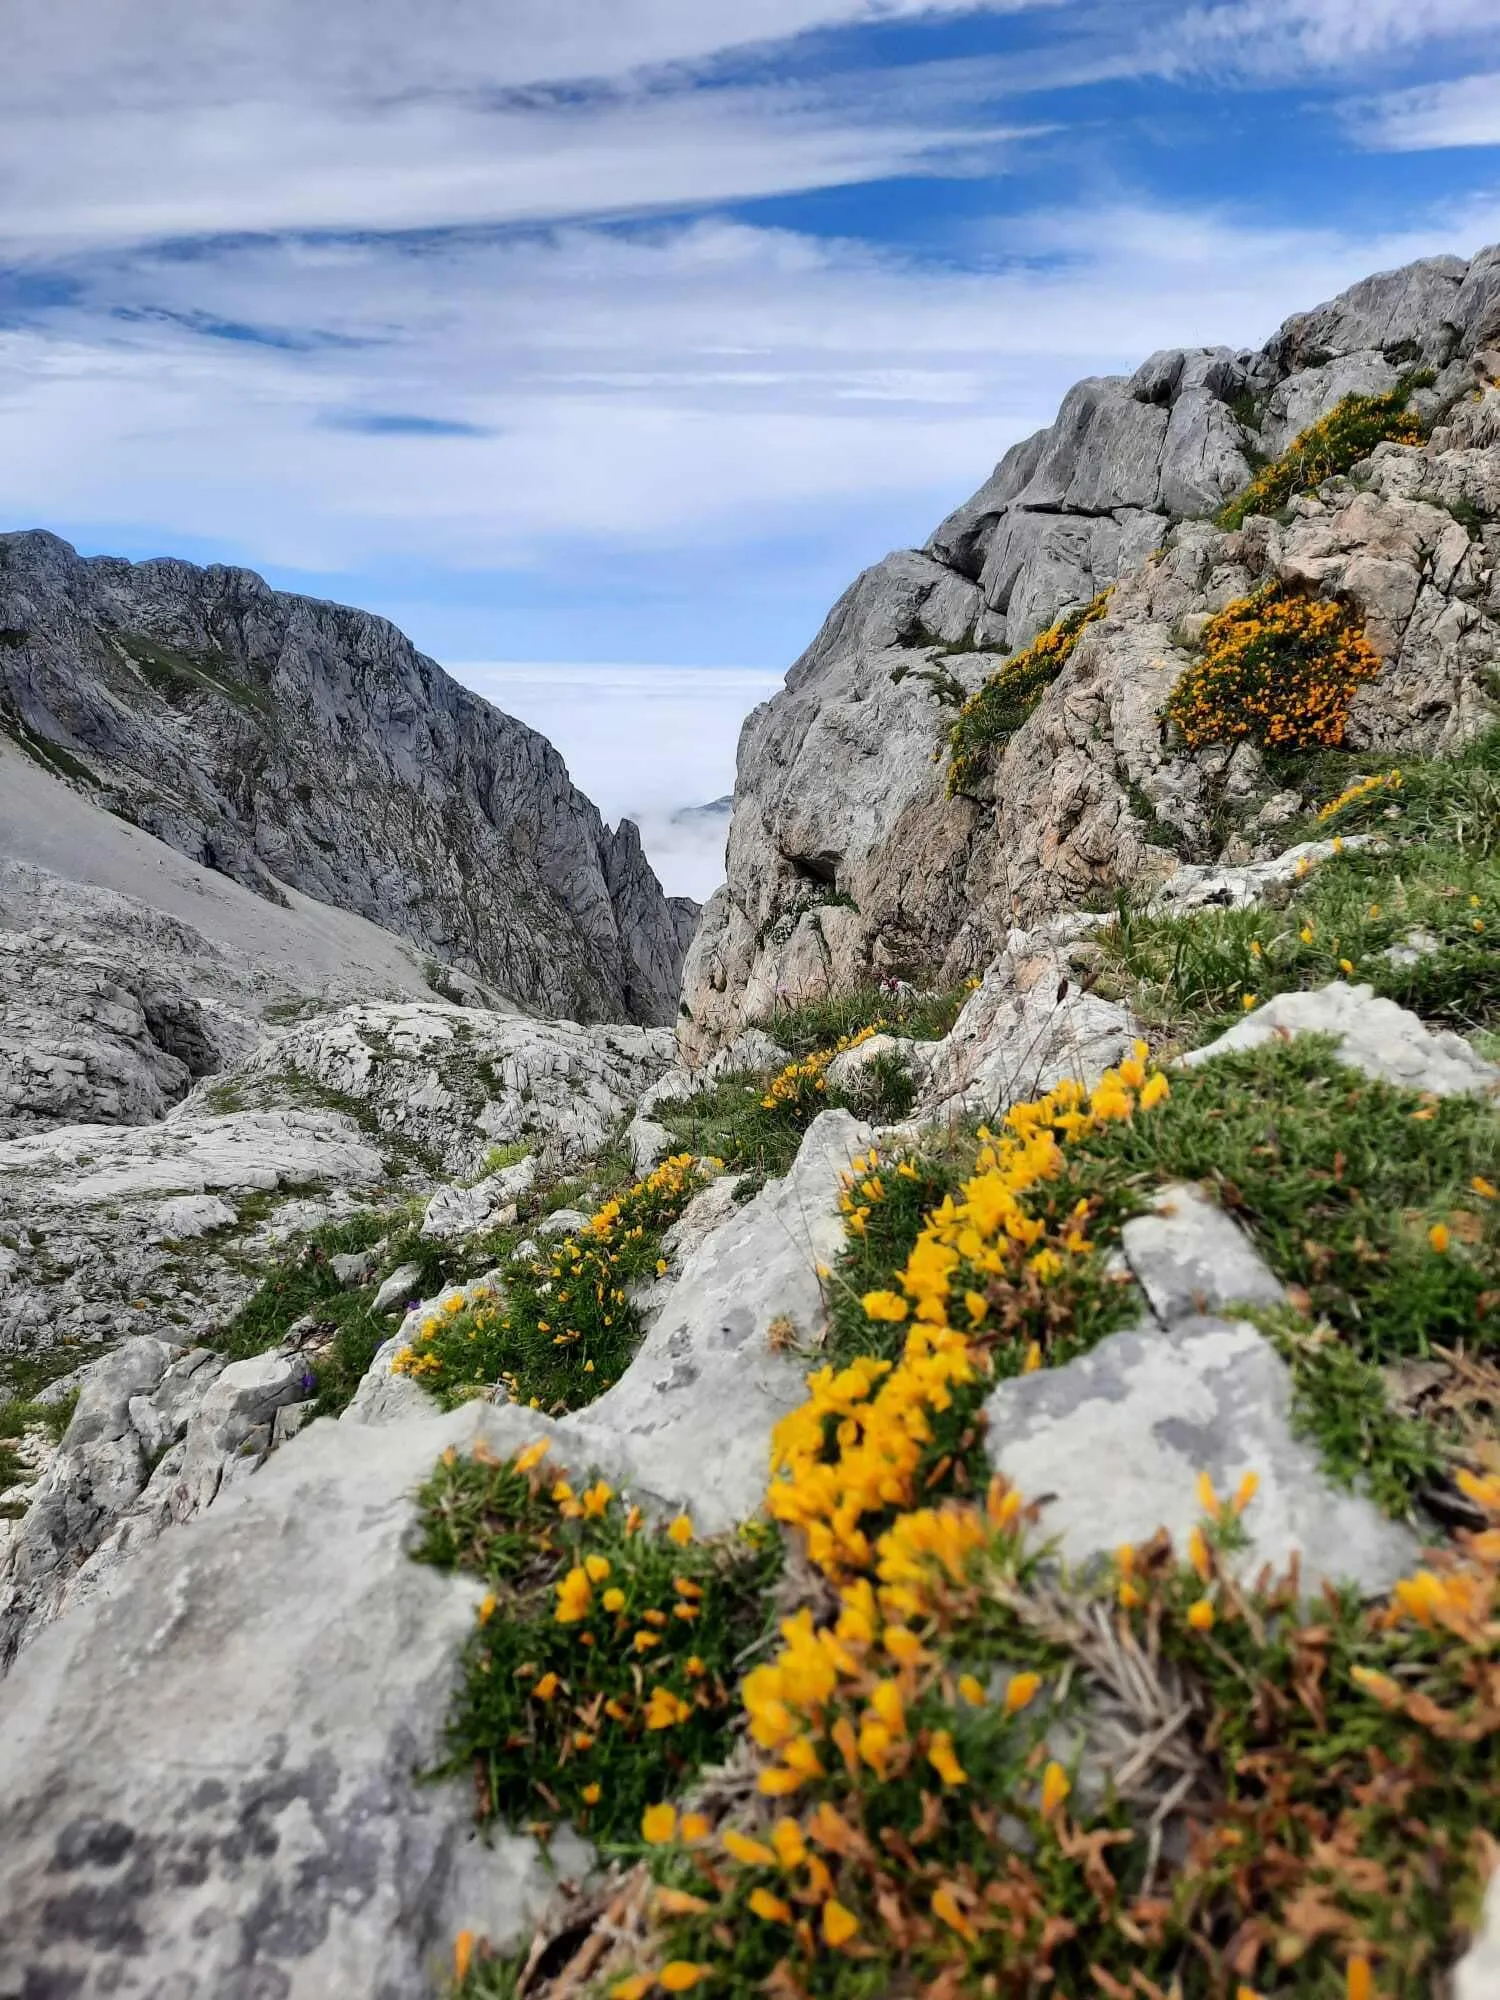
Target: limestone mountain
[850, 854]
[294, 744]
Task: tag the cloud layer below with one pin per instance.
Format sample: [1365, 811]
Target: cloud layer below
[644, 743]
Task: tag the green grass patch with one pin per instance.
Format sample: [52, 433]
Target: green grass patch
[821, 1024]
[995, 711]
[1418, 923]
[18, 1416]
[177, 676]
[562, 1327]
[603, 1672]
[1341, 1182]
[302, 1281]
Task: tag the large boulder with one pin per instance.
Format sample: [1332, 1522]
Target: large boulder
[691, 1418]
[212, 1780]
[1371, 1034]
[1117, 1439]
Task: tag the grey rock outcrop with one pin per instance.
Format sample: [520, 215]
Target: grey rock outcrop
[452, 1081]
[1027, 1026]
[128, 971]
[90, 1036]
[1119, 1437]
[284, 741]
[1373, 1035]
[693, 1414]
[282, 1841]
[847, 860]
[111, 1231]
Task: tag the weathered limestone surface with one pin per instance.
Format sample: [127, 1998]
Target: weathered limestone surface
[1027, 1026]
[453, 1081]
[113, 1230]
[1120, 1436]
[692, 1416]
[846, 859]
[210, 1781]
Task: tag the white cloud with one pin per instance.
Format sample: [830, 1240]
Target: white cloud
[642, 742]
[1465, 112]
[105, 53]
[1281, 37]
[76, 178]
[692, 387]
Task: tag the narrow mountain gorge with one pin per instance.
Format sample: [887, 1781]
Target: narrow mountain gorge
[969, 1468]
[288, 743]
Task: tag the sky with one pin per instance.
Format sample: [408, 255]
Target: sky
[613, 335]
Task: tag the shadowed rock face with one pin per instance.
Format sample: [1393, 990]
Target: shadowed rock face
[284, 741]
[846, 858]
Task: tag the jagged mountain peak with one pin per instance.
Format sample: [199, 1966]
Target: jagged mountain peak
[848, 860]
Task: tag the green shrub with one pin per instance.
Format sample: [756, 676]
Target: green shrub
[1279, 668]
[562, 1327]
[993, 714]
[602, 1674]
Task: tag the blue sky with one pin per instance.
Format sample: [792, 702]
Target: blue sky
[629, 330]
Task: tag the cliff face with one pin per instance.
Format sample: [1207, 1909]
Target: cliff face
[284, 741]
[848, 860]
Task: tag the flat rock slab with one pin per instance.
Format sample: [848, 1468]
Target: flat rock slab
[209, 1780]
[1189, 1257]
[1118, 1438]
[691, 1418]
[241, 1152]
[1373, 1035]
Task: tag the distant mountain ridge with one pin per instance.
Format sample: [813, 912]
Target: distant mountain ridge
[279, 739]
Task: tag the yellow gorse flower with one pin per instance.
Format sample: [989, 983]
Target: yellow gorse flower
[1280, 667]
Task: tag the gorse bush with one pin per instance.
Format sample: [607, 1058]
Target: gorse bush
[559, 1328]
[1349, 432]
[754, 1124]
[1323, 1775]
[1336, 1769]
[1279, 668]
[601, 1673]
[993, 714]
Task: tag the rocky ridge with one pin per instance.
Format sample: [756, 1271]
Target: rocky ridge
[292, 744]
[1268, 1313]
[847, 860]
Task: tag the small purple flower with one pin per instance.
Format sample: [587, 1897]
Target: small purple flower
[309, 1380]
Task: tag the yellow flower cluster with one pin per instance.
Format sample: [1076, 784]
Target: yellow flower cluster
[665, 1187]
[859, 1446]
[579, 1295]
[803, 1081]
[1349, 432]
[1280, 668]
[419, 1358]
[1361, 790]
